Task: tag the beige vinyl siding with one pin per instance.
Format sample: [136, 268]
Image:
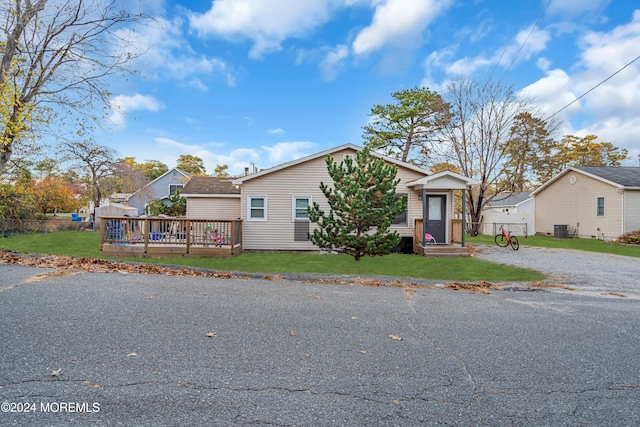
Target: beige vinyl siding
[277, 233]
[632, 211]
[565, 203]
[213, 207]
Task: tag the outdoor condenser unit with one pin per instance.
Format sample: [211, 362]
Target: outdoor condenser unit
[560, 231]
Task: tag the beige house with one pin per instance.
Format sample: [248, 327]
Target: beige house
[212, 198]
[593, 202]
[273, 202]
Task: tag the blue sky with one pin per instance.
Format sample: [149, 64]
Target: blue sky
[267, 81]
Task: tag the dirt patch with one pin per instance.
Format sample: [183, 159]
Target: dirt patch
[476, 287]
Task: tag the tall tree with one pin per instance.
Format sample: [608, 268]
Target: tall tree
[362, 206]
[57, 55]
[528, 146]
[153, 168]
[477, 136]
[191, 164]
[96, 162]
[406, 128]
[222, 171]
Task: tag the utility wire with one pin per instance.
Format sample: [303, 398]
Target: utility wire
[592, 89]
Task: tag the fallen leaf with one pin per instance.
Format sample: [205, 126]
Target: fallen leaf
[56, 372]
[395, 337]
[396, 402]
[132, 355]
[362, 351]
[151, 297]
[210, 334]
[293, 333]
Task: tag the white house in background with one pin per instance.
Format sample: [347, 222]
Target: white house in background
[515, 210]
[162, 187]
[600, 202]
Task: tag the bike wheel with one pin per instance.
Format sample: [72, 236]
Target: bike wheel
[514, 243]
[501, 240]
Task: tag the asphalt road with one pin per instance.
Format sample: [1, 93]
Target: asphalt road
[114, 349]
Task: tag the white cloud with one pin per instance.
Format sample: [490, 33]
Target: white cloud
[395, 21]
[122, 104]
[332, 61]
[237, 159]
[267, 23]
[526, 44]
[287, 151]
[276, 131]
[163, 49]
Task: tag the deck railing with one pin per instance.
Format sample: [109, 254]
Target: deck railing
[166, 236]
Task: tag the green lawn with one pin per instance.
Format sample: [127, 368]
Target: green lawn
[85, 243]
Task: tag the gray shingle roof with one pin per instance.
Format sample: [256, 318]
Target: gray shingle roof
[623, 175]
[510, 199]
[210, 185]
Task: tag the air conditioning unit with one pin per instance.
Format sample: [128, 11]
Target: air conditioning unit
[561, 231]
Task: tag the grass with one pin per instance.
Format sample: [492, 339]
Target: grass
[74, 243]
[589, 245]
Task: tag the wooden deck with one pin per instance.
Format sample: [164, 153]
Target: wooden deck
[170, 237]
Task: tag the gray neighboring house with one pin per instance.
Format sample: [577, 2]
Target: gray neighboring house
[600, 202]
[160, 188]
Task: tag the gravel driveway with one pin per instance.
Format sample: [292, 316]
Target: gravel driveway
[588, 272]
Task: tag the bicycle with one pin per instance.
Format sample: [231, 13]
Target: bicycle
[505, 238]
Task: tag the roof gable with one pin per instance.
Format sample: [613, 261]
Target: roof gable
[624, 177]
[326, 153]
[161, 177]
[445, 180]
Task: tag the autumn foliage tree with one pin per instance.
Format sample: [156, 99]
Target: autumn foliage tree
[52, 194]
[362, 206]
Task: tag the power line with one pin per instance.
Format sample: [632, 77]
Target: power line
[592, 89]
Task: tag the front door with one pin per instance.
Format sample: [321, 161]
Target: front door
[436, 218]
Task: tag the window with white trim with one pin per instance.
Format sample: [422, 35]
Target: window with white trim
[600, 207]
[257, 208]
[402, 218]
[301, 208]
[173, 188]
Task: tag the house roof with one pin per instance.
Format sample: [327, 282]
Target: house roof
[445, 180]
[326, 153]
[625, 177]
[159, 178]
[209, 185]
[510, 199]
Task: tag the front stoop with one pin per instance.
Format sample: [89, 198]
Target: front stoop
[442, 250]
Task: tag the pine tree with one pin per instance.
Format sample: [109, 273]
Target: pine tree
[363, 205]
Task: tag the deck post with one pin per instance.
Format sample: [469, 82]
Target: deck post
[424, 216]
[146, 234]
[464, 215]
[187, 234]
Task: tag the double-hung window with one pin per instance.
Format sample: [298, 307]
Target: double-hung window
[402, 218]
[301, 208]
[257, 208]
[173, 188]
[600, 207]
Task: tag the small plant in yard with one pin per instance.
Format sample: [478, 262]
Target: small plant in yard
[630, 238]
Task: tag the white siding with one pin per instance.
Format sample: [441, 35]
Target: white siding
[302, 179]
[213, 207]
[570, 204]
[632, 211]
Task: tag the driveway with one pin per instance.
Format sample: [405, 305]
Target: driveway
[153, 350]
[588, 272]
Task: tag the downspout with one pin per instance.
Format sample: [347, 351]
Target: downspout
[464, 214]
[424, 216]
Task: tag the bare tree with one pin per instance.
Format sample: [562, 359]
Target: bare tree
[95, 162]
[477, 136]
[57, 54]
